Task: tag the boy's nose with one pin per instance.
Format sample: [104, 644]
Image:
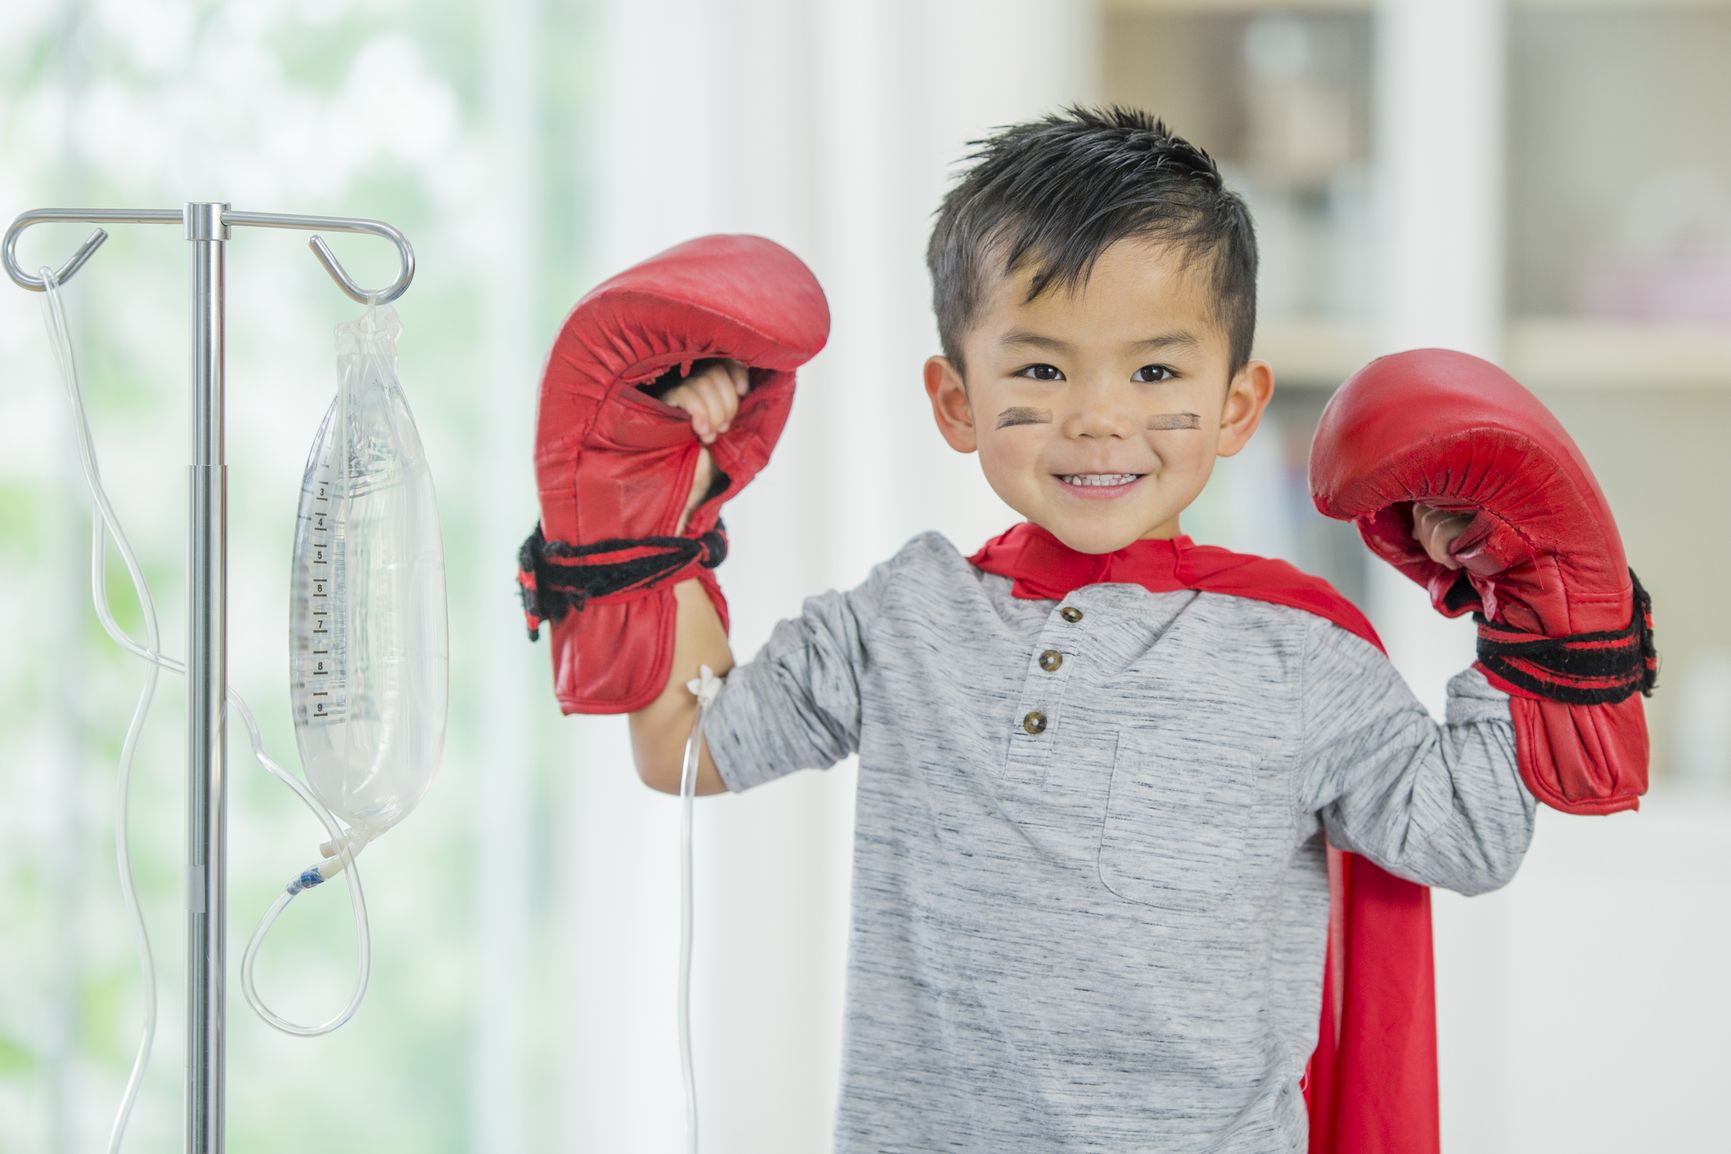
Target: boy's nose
[1096, 413]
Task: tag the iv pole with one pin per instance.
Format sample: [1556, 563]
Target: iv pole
[207, 227]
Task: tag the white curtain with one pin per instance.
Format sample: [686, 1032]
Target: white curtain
[832, 128]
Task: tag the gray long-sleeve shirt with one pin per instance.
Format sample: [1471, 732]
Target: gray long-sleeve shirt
[1090, 894]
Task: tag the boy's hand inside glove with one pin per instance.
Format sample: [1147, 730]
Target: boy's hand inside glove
[1436, 530]
[711, 396]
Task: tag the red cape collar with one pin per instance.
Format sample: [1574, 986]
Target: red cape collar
[1044, 568]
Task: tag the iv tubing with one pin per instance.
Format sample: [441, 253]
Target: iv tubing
[62, 345]
[687, 788]
[342, 847]
[704, 686]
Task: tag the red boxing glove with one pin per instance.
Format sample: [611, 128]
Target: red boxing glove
[614, 465]
[1564, 625]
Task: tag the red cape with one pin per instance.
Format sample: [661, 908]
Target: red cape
[1371, 1084]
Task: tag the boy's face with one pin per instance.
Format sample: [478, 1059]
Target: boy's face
[1098, 414]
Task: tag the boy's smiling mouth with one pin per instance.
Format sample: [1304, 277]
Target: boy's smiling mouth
[1097, 485]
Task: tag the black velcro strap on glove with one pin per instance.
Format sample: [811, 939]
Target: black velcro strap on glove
[1581, 669]
[556, 578]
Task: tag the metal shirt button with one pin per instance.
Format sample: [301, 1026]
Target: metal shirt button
[1050, 660]
[1070, 613]
[1034, 722]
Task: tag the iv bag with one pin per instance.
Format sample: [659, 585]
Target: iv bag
[368, 659]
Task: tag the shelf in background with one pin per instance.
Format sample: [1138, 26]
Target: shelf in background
[1540, 352]
[1314, 353]
[1589, 352]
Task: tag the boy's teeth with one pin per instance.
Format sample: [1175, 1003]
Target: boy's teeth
[1099, 478]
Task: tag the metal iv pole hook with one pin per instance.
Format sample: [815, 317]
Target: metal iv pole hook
[378, 228]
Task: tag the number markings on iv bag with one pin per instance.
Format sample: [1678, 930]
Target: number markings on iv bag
[320, 651]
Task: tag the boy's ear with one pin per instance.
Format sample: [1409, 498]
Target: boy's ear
[950, 405]
[1246, 396]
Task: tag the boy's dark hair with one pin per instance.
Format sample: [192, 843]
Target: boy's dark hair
[1061, 189]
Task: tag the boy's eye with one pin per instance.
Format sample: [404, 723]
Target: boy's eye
[1166, 374]
[1041, 372]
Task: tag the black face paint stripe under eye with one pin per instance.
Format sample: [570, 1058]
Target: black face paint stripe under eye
[1175, 421]
[1024, 416]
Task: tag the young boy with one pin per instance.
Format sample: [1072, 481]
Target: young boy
[1090, 895]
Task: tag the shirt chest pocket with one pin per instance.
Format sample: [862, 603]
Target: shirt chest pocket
[1178, 822]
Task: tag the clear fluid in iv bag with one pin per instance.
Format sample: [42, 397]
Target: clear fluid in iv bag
[367, 630]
